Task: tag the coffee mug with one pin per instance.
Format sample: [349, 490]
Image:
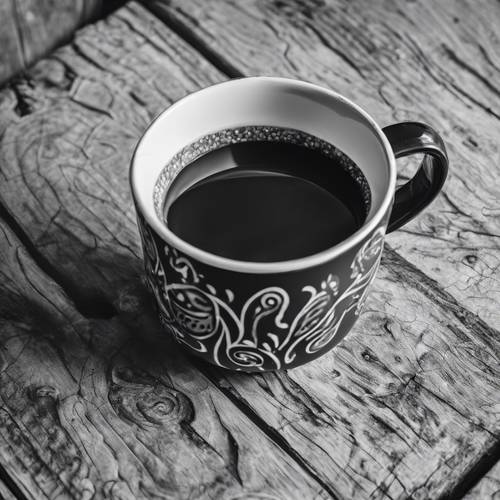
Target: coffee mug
[255, 316]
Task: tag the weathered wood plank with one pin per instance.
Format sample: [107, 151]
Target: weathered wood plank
[31, 28]
[105, 409]
[488, 488]
[404, 407]
[437, 63]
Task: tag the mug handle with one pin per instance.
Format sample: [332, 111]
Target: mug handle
[408, 138]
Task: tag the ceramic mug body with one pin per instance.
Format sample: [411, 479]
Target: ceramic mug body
[254, 316]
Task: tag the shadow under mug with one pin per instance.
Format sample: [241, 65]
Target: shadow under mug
[254, 316]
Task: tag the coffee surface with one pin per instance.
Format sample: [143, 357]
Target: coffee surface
[273, 202]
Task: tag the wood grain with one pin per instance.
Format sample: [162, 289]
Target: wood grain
[488, 488]
[31, 28]
[403, 408]
[96, 409]
[411, 60]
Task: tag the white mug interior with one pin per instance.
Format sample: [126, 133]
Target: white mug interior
[274, 102]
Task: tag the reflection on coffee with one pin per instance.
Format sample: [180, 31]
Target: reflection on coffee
[269, 201]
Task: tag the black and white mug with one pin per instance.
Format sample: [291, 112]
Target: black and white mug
[254, 316]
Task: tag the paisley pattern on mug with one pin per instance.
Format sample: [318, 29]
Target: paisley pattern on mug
[202, 319]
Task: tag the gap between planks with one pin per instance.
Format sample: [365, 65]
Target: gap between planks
[9, 490]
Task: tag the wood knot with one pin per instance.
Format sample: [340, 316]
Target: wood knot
[163, 405]
[145, 401]
[470, 259]
[28, 97]
[369, 356]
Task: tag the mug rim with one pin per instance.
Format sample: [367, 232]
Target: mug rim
[309, 261]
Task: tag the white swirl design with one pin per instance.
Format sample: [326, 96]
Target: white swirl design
[258, 337]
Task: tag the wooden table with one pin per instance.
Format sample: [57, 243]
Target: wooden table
[96, 402]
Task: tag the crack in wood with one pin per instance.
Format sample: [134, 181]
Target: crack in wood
[233, 447]
[189, 35]
[467, 67]
[239, 402]
[405, 270]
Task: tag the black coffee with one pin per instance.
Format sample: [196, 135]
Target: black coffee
[274, 201]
